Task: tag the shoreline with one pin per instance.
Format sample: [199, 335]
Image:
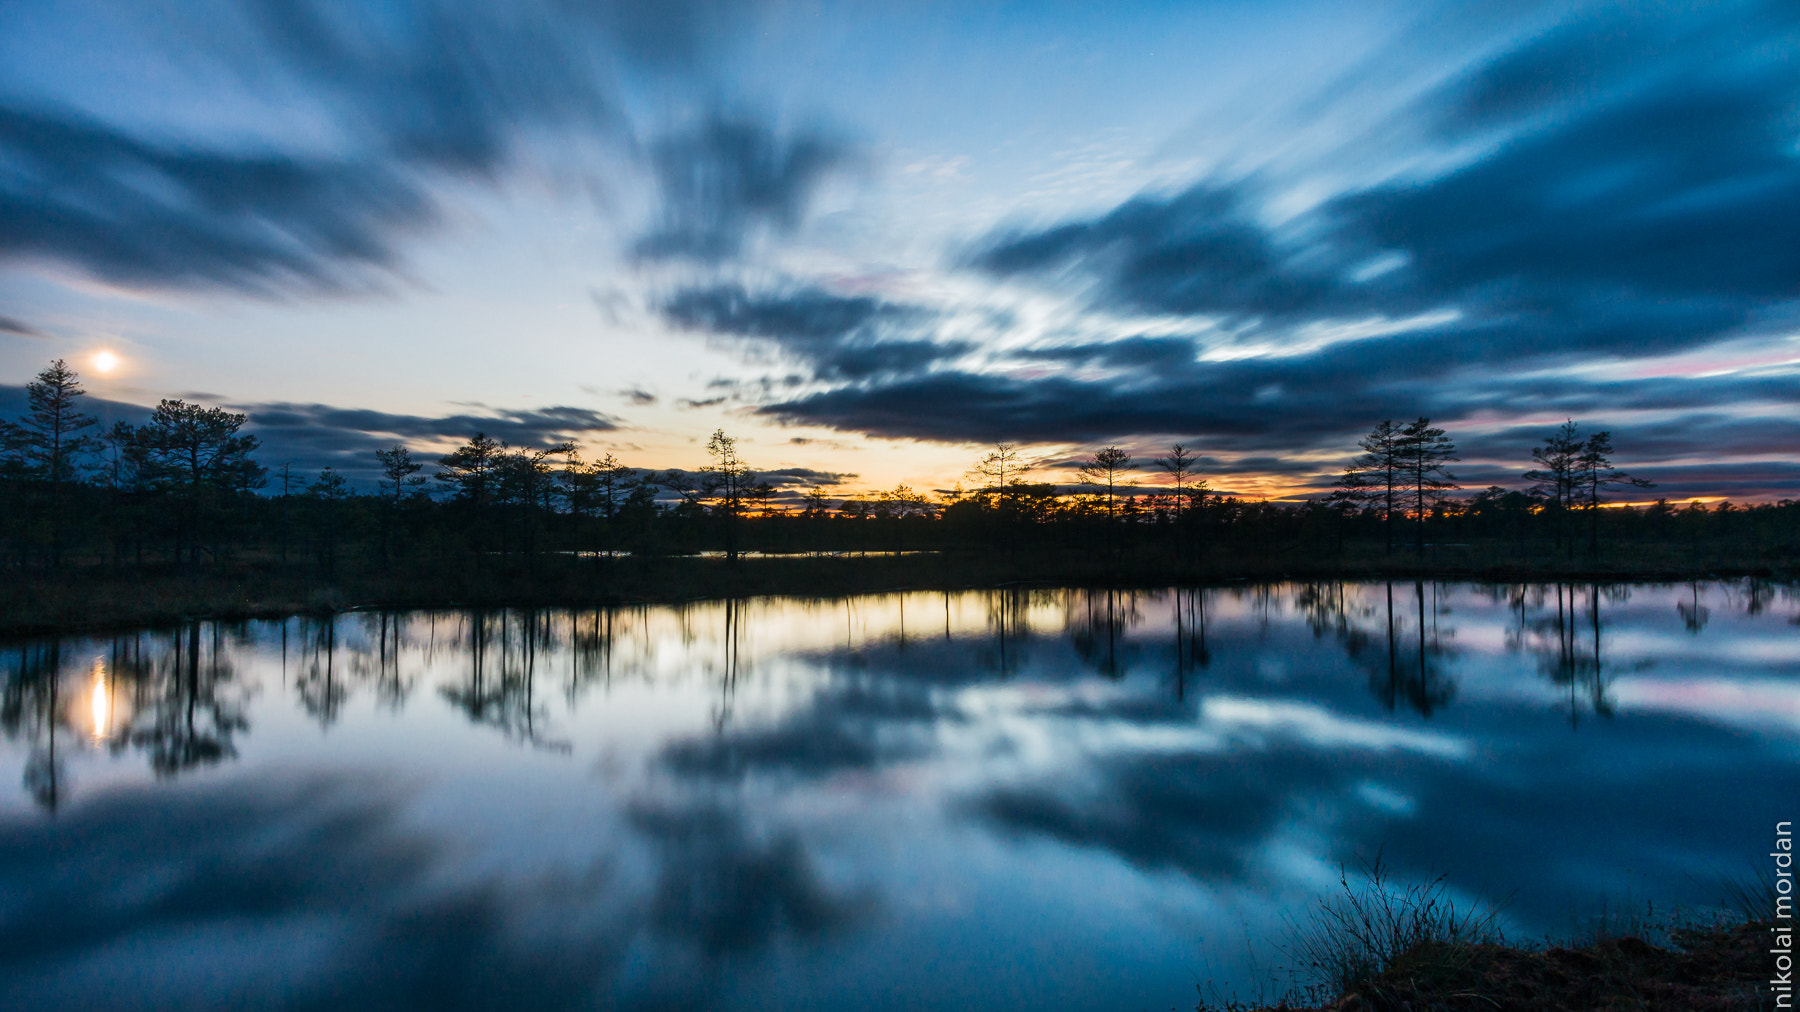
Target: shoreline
[101, 600]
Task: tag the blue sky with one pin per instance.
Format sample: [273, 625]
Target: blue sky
[870, 238]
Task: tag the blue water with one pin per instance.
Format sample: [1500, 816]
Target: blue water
[1025, 798]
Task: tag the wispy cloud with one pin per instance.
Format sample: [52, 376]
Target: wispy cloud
[732, 176]
[408, 97]
[8, 325]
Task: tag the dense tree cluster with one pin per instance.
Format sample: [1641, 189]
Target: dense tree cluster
[184, 490]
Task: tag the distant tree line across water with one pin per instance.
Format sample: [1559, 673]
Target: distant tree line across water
[184, 490]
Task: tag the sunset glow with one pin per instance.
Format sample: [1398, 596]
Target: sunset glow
[871, 243]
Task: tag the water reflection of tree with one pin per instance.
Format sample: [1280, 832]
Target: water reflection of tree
[1191, 650]
[382, 665]
[609, 643]
[1758, 593]
[190, 711]
[183, 707]
[591, 640]
[1098, 622]
[1262, 605]
[1329, 608]
[30, 709]
[336, 654]
[1008, 619]
[1694, 615]
[1403, 649]
[1417, 672]
[732, 653]
[499, 689]
[321, 687]
[1568, 645]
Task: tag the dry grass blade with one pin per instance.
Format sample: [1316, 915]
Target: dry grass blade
[1377, 923]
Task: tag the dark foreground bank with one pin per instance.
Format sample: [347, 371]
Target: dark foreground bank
[1383, 946]
[1712, 969]
[90, 598]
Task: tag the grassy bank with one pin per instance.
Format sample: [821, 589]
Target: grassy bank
[1710, 969]
[94, 597]
[1380, 947]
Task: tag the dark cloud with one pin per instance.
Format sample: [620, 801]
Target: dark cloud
[454, 85]
[1265, 408]
[640, 398]
[1198, 252]
[1259, 404]
[1671, 438]
[1125, 353]
[1631, 193]
[313, 436]
[1754, 479]
[732, 177]
[956, 406]
[137, 212]
[1592, 400]
[8, 325]
[1628, 191]
[805, 476]
[707, 402]
[839, 337]
[1633, 185]
[521, 427]
[13, 405]
[809, 314]
[411, 94]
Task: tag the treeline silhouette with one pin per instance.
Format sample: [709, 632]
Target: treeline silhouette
[183, 495]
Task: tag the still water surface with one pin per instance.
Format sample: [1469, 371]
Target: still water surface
[1007, 799]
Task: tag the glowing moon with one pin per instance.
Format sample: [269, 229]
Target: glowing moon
[105, 361]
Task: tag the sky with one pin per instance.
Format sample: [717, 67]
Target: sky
[871, 239]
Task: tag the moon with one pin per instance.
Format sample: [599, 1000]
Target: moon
[105, 361]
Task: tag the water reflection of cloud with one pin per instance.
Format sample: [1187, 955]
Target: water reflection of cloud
[979, 750]
[1214, 797]
[175, 861]
[847, 724]
[1327, 730]
[1386, 798]
[724, 890]
[323, 890]
[1212, 815]
[1762, 705]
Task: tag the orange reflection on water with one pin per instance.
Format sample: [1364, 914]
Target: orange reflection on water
[102, 702]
